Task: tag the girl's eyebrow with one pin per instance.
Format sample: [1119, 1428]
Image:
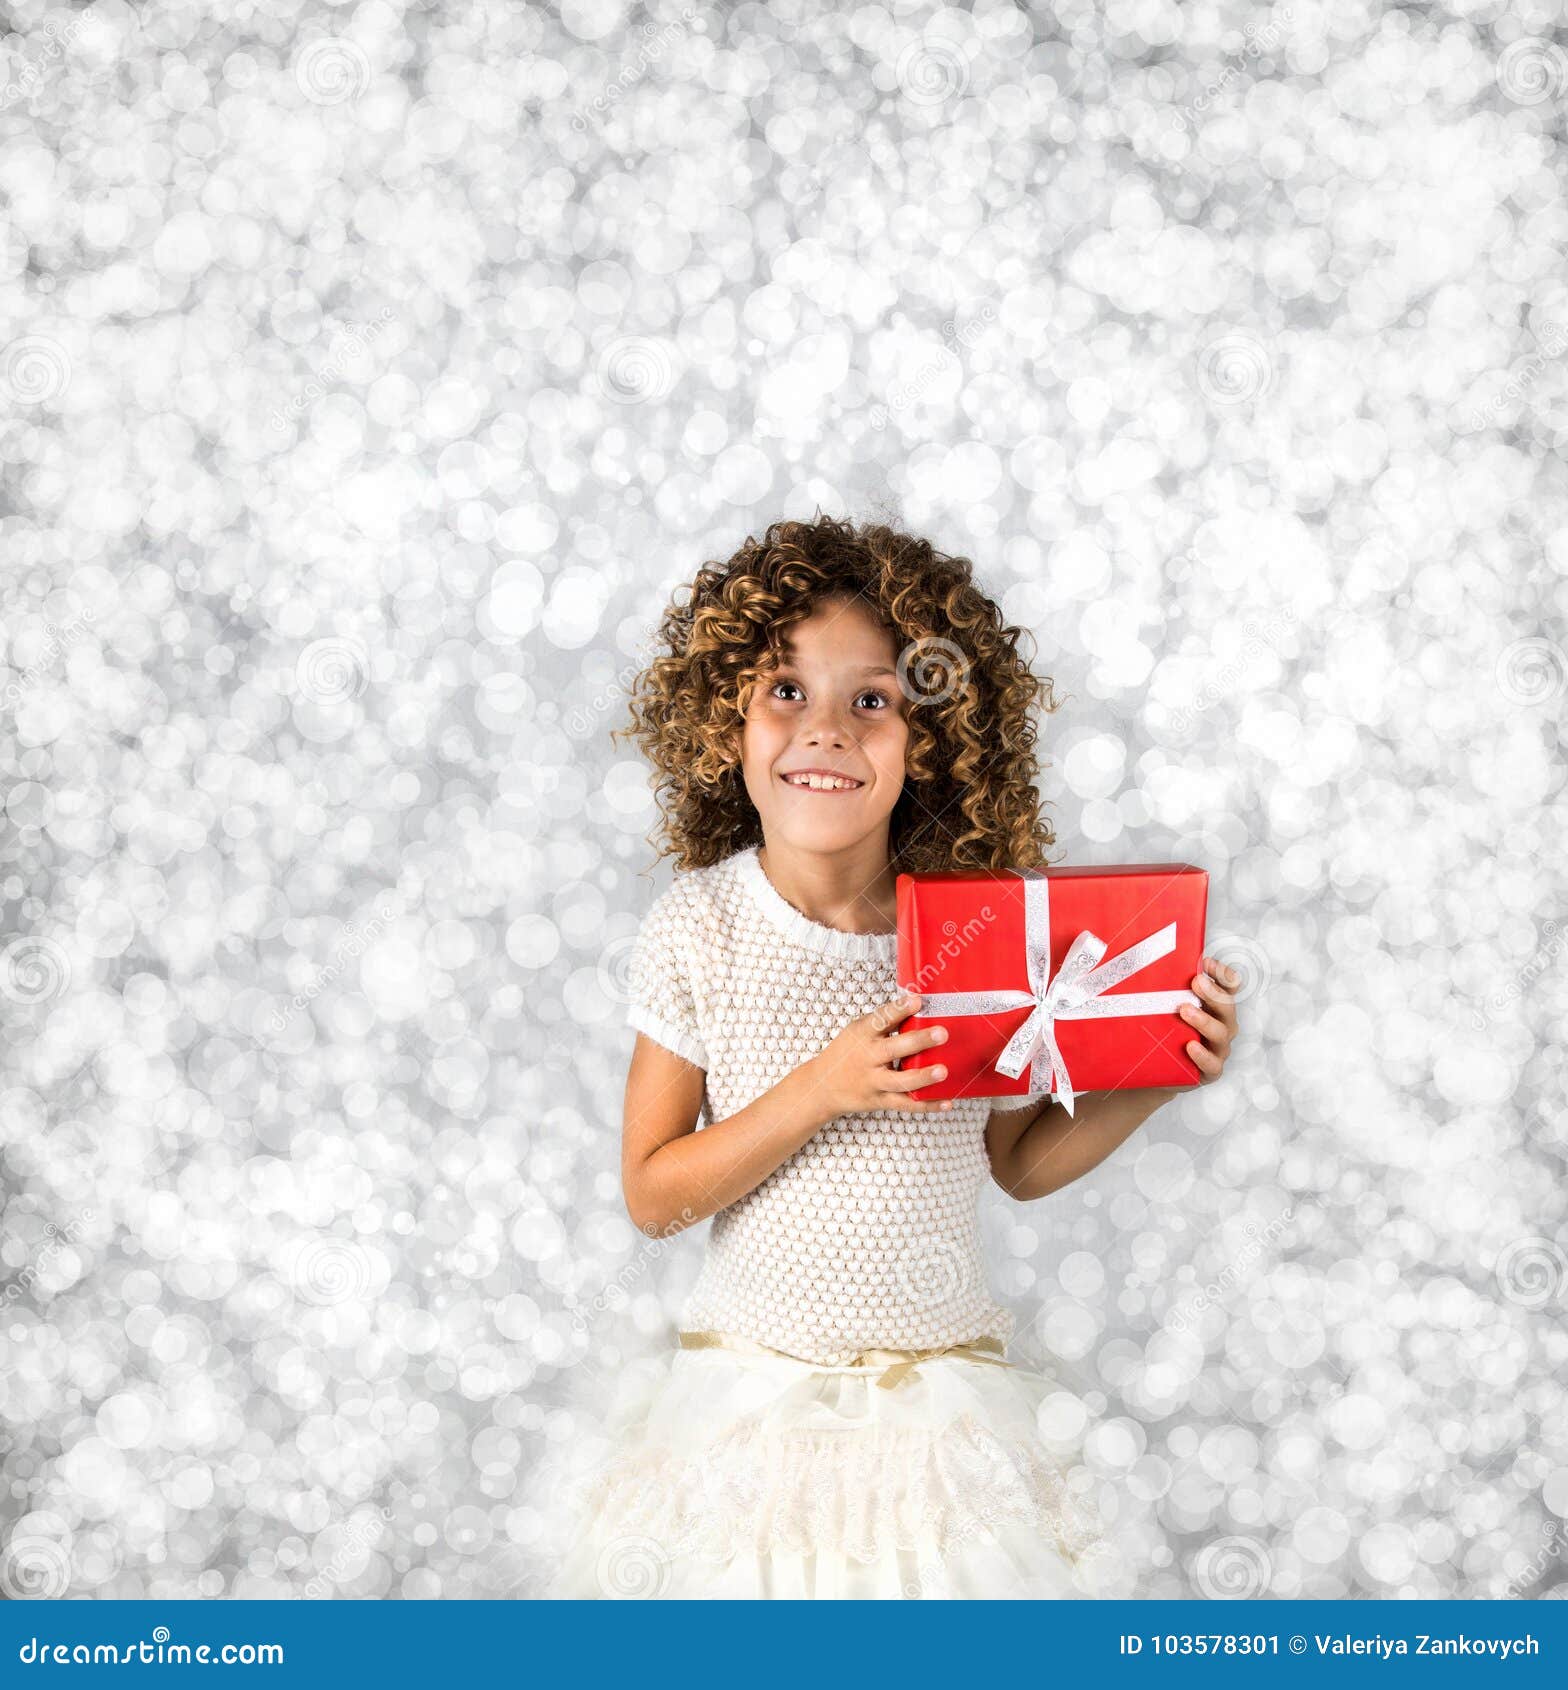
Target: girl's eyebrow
[870, 668]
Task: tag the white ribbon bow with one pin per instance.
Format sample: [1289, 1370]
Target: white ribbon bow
[1075, 994]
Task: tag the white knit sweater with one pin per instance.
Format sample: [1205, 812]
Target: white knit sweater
[866, 1236]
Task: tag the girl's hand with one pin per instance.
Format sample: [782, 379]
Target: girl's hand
[855, 1071]
[1217, 1023]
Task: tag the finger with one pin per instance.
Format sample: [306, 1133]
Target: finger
[1210, 1026]
[906, 1044]
[919, 1105]
[1205, 1058]
[888, 1015]
[1227, 976]
[1206, 986]
[910, 1079]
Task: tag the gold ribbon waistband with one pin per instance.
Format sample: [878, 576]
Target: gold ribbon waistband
[896, 1365]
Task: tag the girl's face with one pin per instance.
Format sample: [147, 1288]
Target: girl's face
[832, 708]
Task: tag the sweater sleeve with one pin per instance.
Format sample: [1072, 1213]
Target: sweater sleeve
[663, 1002]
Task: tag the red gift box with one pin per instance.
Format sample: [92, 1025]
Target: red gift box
[1053, 980]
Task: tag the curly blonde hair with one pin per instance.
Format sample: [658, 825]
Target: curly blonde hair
[969, 798]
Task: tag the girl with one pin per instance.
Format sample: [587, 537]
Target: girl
[830, 707]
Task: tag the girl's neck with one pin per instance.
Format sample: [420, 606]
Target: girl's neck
[853, 890]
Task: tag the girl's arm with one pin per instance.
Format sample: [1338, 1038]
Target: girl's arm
[675, 1176]
[1034, 1152]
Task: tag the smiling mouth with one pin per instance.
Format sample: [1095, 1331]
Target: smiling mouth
[810, 782]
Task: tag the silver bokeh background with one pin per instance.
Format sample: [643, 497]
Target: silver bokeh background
[370, 374]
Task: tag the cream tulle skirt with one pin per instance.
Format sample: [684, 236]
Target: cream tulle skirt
[738, 1472]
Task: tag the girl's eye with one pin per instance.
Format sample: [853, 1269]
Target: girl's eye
[778, 684]
[867, 693]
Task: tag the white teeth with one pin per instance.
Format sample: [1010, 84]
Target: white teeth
[822, 783]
